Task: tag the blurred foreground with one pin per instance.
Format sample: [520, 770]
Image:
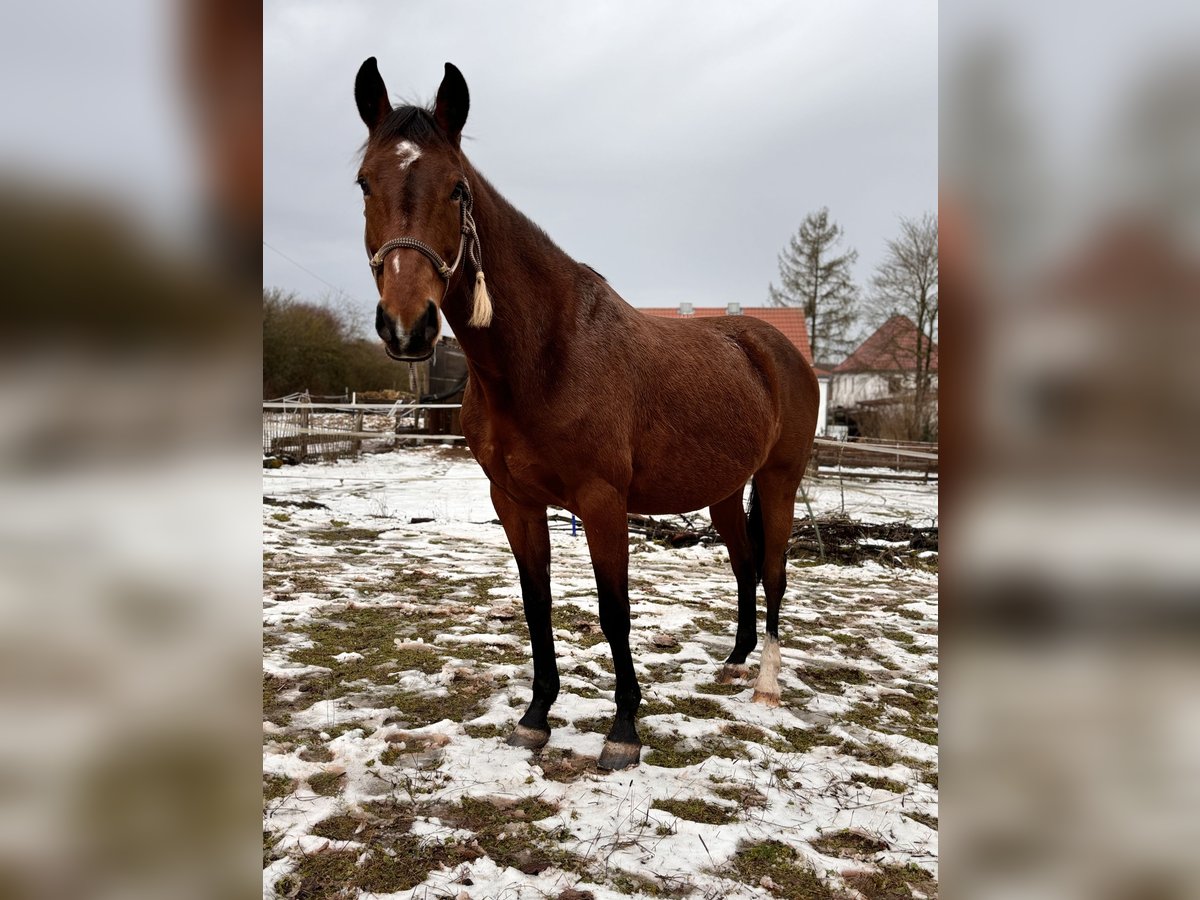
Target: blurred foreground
[1070, 211]
[130, 200]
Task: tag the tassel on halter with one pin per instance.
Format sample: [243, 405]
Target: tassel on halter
[481, 316]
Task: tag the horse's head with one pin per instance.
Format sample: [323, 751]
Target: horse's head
[420, 234]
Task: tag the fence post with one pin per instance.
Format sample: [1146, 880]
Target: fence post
[302, 442]
[356, 442]
[305, 401]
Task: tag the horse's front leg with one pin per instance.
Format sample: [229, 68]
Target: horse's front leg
[607, 529]
[529, 537]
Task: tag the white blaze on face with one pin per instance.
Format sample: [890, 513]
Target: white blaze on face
[408, 152]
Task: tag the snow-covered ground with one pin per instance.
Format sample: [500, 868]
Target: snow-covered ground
[395, 662]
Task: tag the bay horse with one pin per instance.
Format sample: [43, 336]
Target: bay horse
[576, 399]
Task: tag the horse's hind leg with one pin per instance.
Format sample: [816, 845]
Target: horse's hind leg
[777, 494]
[529, 537]
[729, 519]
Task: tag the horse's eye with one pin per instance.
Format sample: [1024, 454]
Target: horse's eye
[362, 183]
[458, 192]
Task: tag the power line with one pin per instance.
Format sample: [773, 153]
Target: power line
[305, 268]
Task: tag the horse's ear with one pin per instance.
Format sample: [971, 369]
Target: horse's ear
[452, 104]
[371, 95]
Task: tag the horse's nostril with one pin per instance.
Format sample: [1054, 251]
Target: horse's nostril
[383, 325]
[431, 321]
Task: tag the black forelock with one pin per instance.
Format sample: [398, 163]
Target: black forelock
[410, 123]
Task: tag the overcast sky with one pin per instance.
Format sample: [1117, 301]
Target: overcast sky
[673, 146]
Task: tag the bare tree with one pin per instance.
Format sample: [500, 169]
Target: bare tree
[906, 284]
[813, 278]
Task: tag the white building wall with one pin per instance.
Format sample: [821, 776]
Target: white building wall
[823, 408]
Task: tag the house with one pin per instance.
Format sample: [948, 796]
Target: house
[879, 377]
[788, 319]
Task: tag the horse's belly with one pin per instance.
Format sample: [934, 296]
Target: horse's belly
[659, 493]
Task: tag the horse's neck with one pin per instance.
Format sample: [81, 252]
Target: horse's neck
[532, 285]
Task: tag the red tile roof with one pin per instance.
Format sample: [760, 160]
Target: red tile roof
[787, 319]
[892, 348]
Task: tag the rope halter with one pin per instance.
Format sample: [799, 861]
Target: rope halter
[468, 240]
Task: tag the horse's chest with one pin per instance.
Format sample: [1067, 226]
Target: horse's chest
[516, 466]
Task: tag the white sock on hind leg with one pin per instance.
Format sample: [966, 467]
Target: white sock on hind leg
[766, 689]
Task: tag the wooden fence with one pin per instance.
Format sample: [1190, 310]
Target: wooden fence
[299, 430]
[913, 457]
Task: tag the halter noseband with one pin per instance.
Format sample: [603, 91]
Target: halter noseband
[468, 239]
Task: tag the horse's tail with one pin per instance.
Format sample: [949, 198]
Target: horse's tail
[754, 525]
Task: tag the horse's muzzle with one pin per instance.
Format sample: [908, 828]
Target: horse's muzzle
[413, 345]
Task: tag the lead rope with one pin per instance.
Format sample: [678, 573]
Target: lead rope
[481, 313]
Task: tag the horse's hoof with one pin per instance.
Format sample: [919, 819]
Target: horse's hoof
[730, 673]
[528, 738]
[617, 756]
[766, 699]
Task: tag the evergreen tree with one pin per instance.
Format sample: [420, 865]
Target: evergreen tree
[814, 277]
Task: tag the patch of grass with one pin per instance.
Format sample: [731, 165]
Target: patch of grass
[789, 878]
[743, 732]
[588, 693]
[849, 845]
[793, 697]
[594, 724]
[562, 765]
[316, 753]
[873, 753]
[883, 784]
[487, 731]
[802, 740]
[638, 885]
[465, 701]
[931, 779]
[503, 831]
[277, 786]
[712, 626]
[338, 828]
[662, 672]
[655, 708]
[924, 818]
[494, 813]
[335, 731]
[270, 854]
[832, 679]
[743, 795]
[725, 689]
[337, 534]
[426, 587]
[370, 631]
[281, 517]
[698, 707]
[697, 811]
[319, 876]
[898, 636]
[584, 626]
[327, 784]
[868, 715]
[668, 751]
[855, 644]
[274, 707]
[892, 882]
